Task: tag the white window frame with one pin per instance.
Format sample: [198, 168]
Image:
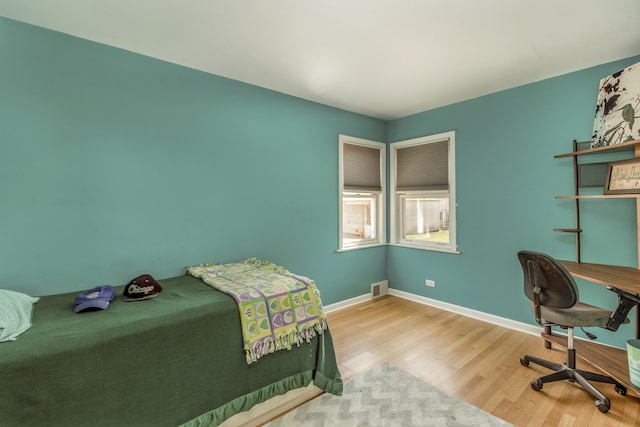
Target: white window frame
[381, 196]
[396, 213]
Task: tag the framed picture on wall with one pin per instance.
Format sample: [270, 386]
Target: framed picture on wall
[617, 108]
[623, 177]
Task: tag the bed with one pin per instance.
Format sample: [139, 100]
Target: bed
[172, 360]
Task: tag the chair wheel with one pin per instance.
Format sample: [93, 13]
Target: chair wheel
[621, 390]
[524, 362]
[602, 406]
[536, 385]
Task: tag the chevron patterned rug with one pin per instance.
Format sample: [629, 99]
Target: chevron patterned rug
[387, 396]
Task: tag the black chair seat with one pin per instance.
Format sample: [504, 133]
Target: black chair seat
[581, 315]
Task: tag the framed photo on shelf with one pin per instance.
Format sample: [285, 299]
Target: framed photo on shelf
[623, 177]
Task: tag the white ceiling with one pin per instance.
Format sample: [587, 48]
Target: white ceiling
[381, 58]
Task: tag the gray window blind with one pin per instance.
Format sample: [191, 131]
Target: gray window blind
[361, 168]
[423, 167]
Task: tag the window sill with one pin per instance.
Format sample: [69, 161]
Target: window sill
[427, 248]
[355, 248]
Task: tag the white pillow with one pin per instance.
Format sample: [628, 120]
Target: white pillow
[15, 314]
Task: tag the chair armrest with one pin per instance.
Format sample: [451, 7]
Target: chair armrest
[626, 301]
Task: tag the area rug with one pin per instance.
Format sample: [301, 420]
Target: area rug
[387, 396]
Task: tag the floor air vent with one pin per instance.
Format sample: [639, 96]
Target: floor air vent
[379, 289]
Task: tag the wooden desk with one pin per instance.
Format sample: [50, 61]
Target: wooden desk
[612, 361]
[625, 278]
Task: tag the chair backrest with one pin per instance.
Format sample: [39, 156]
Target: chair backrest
[558, 289]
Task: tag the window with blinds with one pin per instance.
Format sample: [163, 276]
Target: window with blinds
[362, 180]
[423, 192]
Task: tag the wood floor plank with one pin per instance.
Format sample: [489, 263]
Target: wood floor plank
[475, 361]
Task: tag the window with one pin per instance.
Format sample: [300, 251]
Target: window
[423, 193]
[362, 183]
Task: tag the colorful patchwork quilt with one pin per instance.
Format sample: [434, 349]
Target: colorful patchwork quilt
[278, 309]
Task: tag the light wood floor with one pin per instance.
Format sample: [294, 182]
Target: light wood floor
[476, 361]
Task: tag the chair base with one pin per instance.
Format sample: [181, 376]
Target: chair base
[565, 372]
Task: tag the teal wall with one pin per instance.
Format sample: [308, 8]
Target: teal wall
[113, 164]
[507, 180]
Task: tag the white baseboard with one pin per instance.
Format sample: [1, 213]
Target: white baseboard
[474, 314]
[340, 305]
[467, 312]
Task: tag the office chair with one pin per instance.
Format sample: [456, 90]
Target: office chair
[555, 301]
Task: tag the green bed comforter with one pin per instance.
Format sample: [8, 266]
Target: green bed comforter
[166, 361]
